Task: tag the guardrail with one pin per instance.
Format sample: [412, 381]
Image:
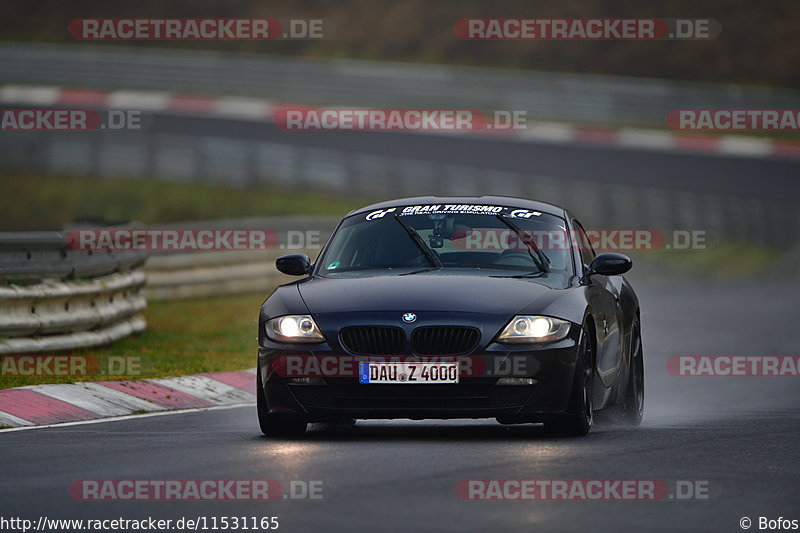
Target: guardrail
[204, 274]
[545, 95]
[251, 163]
[35, 256]
[172, 276]
[55, 298]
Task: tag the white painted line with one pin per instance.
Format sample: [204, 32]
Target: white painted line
[746, 146]
[444, 132]
[641, 138]
[124, 400]
[241, 107]
[206, 388]
[78, 395]
[7, 419]
[140, 100]
[30, 94]
[130, 417]
[546, 131]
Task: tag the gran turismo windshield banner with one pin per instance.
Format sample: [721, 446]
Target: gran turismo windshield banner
[454, 209]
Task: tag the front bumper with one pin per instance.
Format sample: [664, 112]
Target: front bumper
[333, 394]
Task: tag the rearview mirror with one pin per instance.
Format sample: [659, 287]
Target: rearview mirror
[294, 264]
[610, 264]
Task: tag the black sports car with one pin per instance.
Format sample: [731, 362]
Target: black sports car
[434, 307]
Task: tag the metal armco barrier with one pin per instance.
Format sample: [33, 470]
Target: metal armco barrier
[34, 256]
[172, 276]
[242, 163]
[199, 275]
[54, 298]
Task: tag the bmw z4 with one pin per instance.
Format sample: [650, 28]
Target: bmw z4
[452, 307]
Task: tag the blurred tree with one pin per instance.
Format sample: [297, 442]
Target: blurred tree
[758, 44]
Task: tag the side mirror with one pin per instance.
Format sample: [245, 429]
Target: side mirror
[610, 264]
[294, 264]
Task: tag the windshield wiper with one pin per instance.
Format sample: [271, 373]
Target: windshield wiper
[426, 251]
[537, 274]
[540, 259]
[418, 271]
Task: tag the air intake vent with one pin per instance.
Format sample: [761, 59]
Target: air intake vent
[444, 340]
[373, 340]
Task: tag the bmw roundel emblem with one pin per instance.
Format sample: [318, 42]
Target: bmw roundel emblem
[409, 318]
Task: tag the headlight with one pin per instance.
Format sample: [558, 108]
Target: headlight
[293, 328]
[534, 329]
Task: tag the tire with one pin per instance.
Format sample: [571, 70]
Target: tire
[580, 411]
[273, 425]
[631, 409]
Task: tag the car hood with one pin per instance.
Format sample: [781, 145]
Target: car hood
[425, 292]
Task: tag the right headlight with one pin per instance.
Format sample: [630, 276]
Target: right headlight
[534, 329]
[293, 328]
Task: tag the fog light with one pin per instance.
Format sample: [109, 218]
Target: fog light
[516, 381]
[306, 381]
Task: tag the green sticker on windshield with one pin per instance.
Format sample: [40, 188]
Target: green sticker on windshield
[333, 265]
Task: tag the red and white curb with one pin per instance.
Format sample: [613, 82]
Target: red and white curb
[260, 110]
[38, 405]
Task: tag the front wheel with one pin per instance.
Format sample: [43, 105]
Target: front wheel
[580, 416]
[273, 425]
[632, 408]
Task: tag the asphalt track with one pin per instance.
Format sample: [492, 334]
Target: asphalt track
[773, 179]
[740, 435]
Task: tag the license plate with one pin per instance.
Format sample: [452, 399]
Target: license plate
[408, 373]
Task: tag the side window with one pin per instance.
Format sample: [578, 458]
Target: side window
[583, 243]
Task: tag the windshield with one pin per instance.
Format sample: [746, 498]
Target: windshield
[492, 240]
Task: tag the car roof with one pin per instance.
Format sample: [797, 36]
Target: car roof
[507, 201]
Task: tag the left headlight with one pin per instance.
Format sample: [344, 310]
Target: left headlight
[293, 328]
[534, 329]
